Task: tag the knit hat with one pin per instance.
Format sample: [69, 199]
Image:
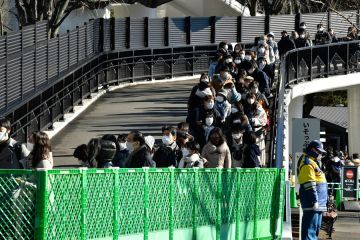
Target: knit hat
[150, 141]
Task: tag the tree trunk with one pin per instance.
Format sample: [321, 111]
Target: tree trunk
[253, 7]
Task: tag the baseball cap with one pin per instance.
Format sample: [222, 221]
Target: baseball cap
[317, 145]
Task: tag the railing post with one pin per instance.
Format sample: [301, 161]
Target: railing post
[237, 211]
[41, 205]
[256, 203]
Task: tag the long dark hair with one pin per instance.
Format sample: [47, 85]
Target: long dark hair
[42, 148]
[218, 131]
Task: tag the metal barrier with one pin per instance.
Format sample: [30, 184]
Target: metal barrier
[142, 204]
[306, 64]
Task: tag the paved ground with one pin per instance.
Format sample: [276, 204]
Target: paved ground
[144, 107]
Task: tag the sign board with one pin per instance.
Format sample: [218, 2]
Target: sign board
[304, 130]
[350, 180]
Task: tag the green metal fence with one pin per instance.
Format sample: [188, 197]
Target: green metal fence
[142, 204]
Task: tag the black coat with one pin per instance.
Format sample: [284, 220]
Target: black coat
[120, 159]
[139, 158]
[263, 81]
[285, 45]
[165, 157]
[250, 156]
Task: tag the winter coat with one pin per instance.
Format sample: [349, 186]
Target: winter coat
[217, 82]
[140, 158]
[313, 185]
[11, 153]
[195, 160]
[167, 156]
[302, 42]
[222, 110]
[258, 119]
[120, 159]
[236, 150]
[285, 45]
[217, 156]
[322, 38]
[250, 157]
[263, 81]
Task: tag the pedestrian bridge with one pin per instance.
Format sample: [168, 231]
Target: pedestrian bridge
[50, 78]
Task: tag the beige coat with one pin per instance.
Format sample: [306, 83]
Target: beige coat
[217, 156]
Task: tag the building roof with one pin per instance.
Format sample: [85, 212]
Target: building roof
[334, 115]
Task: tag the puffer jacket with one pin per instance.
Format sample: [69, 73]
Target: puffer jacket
[217, 156]
[313, 185]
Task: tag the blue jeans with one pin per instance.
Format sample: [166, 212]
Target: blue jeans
[310, 225]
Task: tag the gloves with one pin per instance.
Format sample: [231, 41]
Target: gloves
[316, 206]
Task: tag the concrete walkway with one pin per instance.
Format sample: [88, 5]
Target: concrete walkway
[145, 107]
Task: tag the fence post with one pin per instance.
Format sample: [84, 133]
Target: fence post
[195, 203]
[83, 203]
[172, 203]
[188, 30]
[238, 184]
[41, 205]
[219, 203]
[146, 203]
[116, 228]
[239, 28]
[213, 29]
[167, 31]
[256, 203]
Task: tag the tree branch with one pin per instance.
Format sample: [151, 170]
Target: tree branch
[337, 12]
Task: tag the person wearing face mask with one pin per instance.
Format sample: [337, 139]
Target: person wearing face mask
[322, 37]
[123, 154]
[258, 119]
[266, 68]
[192, 158]
[11, 151]
[238, 54]
[273, 44]
[251, 151]
[235, 142]
[216, 151]
[199, 91]
[302, 41]
[139, 156]
[222, 106]
[259, 76]
[208, 125]
[313, 190]
[219, 80]
[169, 153]
[197, 115]
[260, 98]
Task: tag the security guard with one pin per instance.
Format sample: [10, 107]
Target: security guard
[313, 190]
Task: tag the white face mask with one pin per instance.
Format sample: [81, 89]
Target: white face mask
[237, 121]
[321, 29]
[234, 110]
[205, 80]
[262, 50]
[123, 146]
[209, 121]
[29, 146]
[226, 47]
[129, 146]
[242, 56]
[228, 60]
[251, 101]
[4, 136]
[236, 135]
[209, 105]
[185, 152]
[237, 61]
[302, 27]
[248, 57]
[167, 140]
[271, 39]
[302, 36]
[261, 42]
[237, 50]
[219, 99]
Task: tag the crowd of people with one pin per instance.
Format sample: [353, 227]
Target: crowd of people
[227, 120]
